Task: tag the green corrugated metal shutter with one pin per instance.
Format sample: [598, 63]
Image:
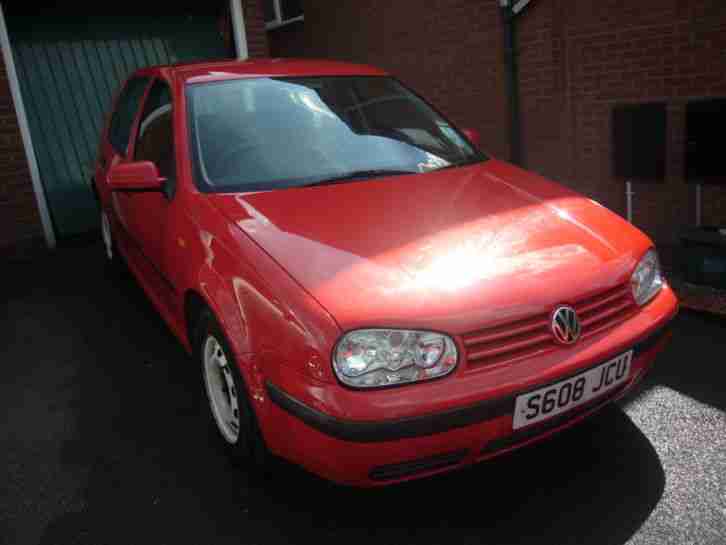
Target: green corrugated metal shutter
[69, 70]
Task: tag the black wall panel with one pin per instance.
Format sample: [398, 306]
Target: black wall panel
[705, 157]
[639, 142]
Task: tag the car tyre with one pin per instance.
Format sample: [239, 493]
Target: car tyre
[229, 407]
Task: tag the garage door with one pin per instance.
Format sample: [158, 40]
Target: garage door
[69, 69]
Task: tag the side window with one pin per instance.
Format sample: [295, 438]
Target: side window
[155, 141]
[126, 108]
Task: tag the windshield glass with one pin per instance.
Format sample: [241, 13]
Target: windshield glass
[267, 133]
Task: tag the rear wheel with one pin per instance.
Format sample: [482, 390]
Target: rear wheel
[229, 406]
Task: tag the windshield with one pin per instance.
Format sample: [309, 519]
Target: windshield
[268, 133]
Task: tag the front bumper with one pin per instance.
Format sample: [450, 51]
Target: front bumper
[375, 452]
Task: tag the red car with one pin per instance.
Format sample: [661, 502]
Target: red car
[368, 294]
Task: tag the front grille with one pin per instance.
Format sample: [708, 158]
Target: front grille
[605, 310]
[524, 338]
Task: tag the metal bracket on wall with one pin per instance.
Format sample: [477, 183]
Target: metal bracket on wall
[519, 6]
[516, 7]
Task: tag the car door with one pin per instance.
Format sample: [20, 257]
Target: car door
[146, 213]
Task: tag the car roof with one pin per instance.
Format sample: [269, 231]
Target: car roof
[198, 72]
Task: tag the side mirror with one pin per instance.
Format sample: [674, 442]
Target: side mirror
[473, 136]
[138, 176]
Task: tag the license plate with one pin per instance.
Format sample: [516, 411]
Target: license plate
[555, 399]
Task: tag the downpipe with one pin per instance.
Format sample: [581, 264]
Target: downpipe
[512, 81]
[510, 9]
[699, 205]
[629, 193]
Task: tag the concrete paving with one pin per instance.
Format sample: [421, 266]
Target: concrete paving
[104, 440]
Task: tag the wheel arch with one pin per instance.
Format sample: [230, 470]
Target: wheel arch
[210, 294]
[194, 305]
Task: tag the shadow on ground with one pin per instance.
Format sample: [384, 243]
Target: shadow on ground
[106, 401]
[693, 363]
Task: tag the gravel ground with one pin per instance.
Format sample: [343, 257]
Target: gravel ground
[104, 441]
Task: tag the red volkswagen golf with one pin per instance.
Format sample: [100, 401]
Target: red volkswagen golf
[367, 294]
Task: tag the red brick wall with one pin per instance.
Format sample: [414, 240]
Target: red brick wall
[578, 58]
[255, 25]
[257, 45]
[19, 219]
[289, 40]
[449, 51]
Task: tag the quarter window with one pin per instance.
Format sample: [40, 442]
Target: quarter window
[155, 141]
[123, 118]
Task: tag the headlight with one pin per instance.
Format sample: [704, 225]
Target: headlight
[370, 358]
[647, 280]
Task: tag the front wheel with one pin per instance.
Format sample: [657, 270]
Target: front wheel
[229, 405]
[113, 259]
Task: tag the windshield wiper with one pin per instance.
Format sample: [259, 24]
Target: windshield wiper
[359, 175]
[465, 162]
